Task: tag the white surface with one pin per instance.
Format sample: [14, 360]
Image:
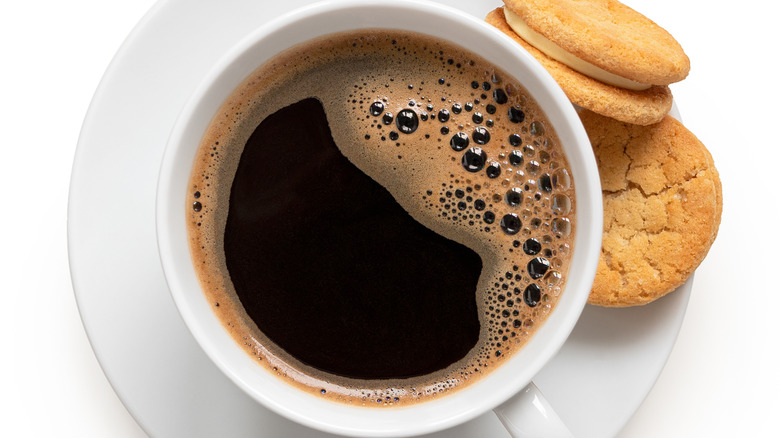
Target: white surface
[163, 378]
[721, 379]
[597, 381]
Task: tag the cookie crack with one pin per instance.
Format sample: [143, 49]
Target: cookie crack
[633, 185]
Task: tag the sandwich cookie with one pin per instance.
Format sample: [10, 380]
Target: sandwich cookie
[607, 57]
[662, 208]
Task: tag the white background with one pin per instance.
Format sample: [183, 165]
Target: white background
[722, 379]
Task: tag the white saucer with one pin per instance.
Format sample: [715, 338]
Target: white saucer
[596, 382]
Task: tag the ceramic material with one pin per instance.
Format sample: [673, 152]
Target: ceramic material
[596, 382]
[540, 422]
[303, 25]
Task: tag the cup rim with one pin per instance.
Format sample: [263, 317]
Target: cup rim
[443, 412]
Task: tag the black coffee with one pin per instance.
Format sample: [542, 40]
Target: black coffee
[332, 269]
[381, 217]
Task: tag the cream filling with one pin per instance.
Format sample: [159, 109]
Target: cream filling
[555, 52]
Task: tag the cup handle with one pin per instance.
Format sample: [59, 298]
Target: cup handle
[528, 414]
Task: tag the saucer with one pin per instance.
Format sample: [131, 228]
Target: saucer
[596, 382]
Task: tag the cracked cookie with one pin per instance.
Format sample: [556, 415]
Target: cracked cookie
[662, 208]
[605, 56]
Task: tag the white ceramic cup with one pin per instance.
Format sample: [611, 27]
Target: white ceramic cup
[507, 388]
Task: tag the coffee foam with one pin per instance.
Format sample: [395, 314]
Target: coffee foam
[348, 73]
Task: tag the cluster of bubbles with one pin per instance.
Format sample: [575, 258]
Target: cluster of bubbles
[526, 201]
[514, 295]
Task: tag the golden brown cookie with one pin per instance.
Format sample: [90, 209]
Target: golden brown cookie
[638, 107]
[608, 34]
[662, 208]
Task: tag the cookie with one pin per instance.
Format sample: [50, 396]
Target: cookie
[662, 208]
[641, 107]
[609, 35]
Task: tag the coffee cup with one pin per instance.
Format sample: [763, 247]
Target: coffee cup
[506, 389]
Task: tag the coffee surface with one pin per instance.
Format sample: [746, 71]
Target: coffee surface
[327, 264]
[380, 217]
